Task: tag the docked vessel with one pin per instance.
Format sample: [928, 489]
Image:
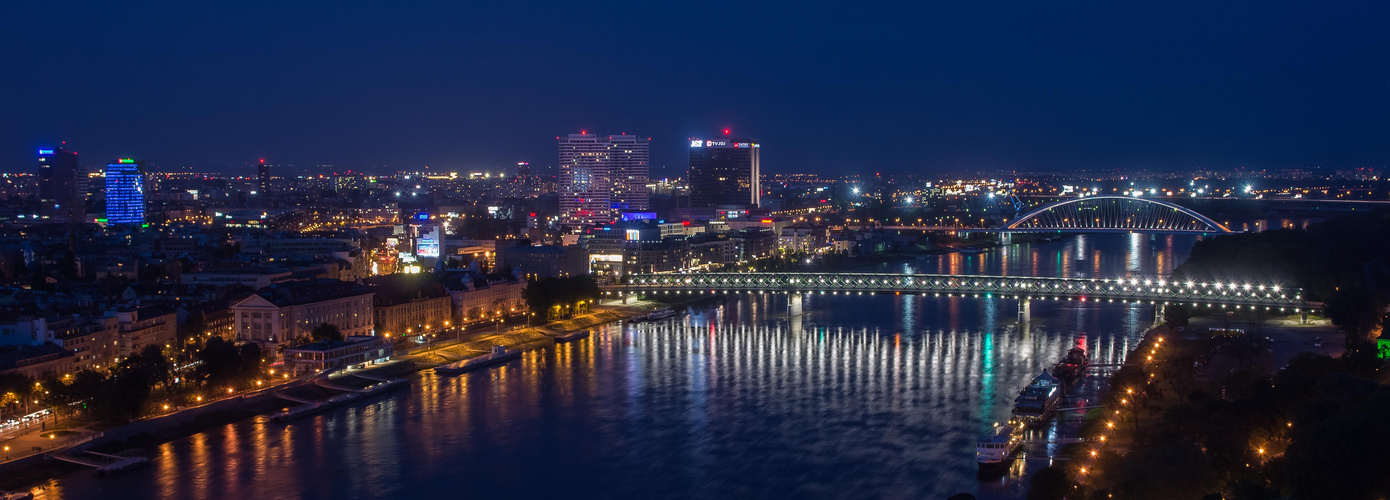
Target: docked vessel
[1036, 402]
[997, 449]
[572, 336]
[1071, 368]
[661, 314]
[498, 356]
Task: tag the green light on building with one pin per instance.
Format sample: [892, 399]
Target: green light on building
[1383, 346]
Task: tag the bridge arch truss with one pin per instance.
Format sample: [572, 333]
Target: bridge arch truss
[1115, 213]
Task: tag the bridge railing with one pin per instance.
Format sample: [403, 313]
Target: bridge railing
[1118, 288]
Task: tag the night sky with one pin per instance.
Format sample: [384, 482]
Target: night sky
[924, 86]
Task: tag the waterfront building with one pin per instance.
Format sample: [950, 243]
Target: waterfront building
[62, 195]
[601, 176]
[724, 172]
[125, 193]
[354, 351]
[480, 297]
[409, 304]
[283, 312]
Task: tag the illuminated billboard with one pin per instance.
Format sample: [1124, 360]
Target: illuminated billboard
[427, 245]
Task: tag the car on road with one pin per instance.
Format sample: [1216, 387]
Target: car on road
[1317, 341]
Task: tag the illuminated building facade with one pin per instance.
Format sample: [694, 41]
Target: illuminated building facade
[125, 193]
[601, 176]
[724, 172]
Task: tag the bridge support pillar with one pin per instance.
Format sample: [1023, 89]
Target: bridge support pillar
[1006, 238]
[1160, 312]
[1303, 317]
[1025, 311]
[794, 303]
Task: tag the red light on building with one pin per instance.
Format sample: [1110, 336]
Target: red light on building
[533, 214]
[726, 131]
[685, 223]
[262, 160]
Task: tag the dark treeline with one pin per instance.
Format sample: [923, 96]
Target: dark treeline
[1341, 262]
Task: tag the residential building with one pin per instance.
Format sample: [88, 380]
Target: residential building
[601, 176]
[146, 326]
[36, 361]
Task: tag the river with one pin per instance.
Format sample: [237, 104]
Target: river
[861, 397]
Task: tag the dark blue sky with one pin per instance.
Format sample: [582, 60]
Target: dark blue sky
[923, 86]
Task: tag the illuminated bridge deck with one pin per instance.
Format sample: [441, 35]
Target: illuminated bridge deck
[1126, 289]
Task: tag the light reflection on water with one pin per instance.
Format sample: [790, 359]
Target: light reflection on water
[862, 396]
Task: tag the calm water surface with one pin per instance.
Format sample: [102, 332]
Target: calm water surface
[861, 397]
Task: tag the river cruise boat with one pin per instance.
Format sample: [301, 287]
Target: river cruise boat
[997, 449]
[1036, 402]
[661, 314]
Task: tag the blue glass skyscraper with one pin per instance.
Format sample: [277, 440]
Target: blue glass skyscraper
[125, 193]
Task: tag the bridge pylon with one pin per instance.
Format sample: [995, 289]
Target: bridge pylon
[1025, 310]
[794, 303]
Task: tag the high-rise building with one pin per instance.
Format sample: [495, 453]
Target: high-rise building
[61, 193]
[125, 193]
[724, 172]
[523, 169]
[601, 176]
[263, 175]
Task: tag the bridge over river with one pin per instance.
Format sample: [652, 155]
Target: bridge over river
[1156, 291]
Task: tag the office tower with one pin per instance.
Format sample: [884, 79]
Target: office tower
[724, 172]
[263, 175]
[523, 169]
[601, 176]
[125, 193]
[61, 196]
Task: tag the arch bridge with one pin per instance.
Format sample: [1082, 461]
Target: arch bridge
[1109, 213]
[1156, 291]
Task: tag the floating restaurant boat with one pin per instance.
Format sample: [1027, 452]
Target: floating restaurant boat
[1071, 368]
[498, 356]
[661, 314]
[1035, 402]
[572, 336]
[997, 449]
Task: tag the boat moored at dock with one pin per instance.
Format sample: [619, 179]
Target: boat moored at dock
[499, 355]
[1036, 402]
[997, 449]
[1072, 368]
[572, 336]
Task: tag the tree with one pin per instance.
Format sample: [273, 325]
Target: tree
[155, 364]
[327, 333]
[1050, 483]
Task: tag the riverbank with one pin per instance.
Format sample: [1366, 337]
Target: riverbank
[152, 432]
